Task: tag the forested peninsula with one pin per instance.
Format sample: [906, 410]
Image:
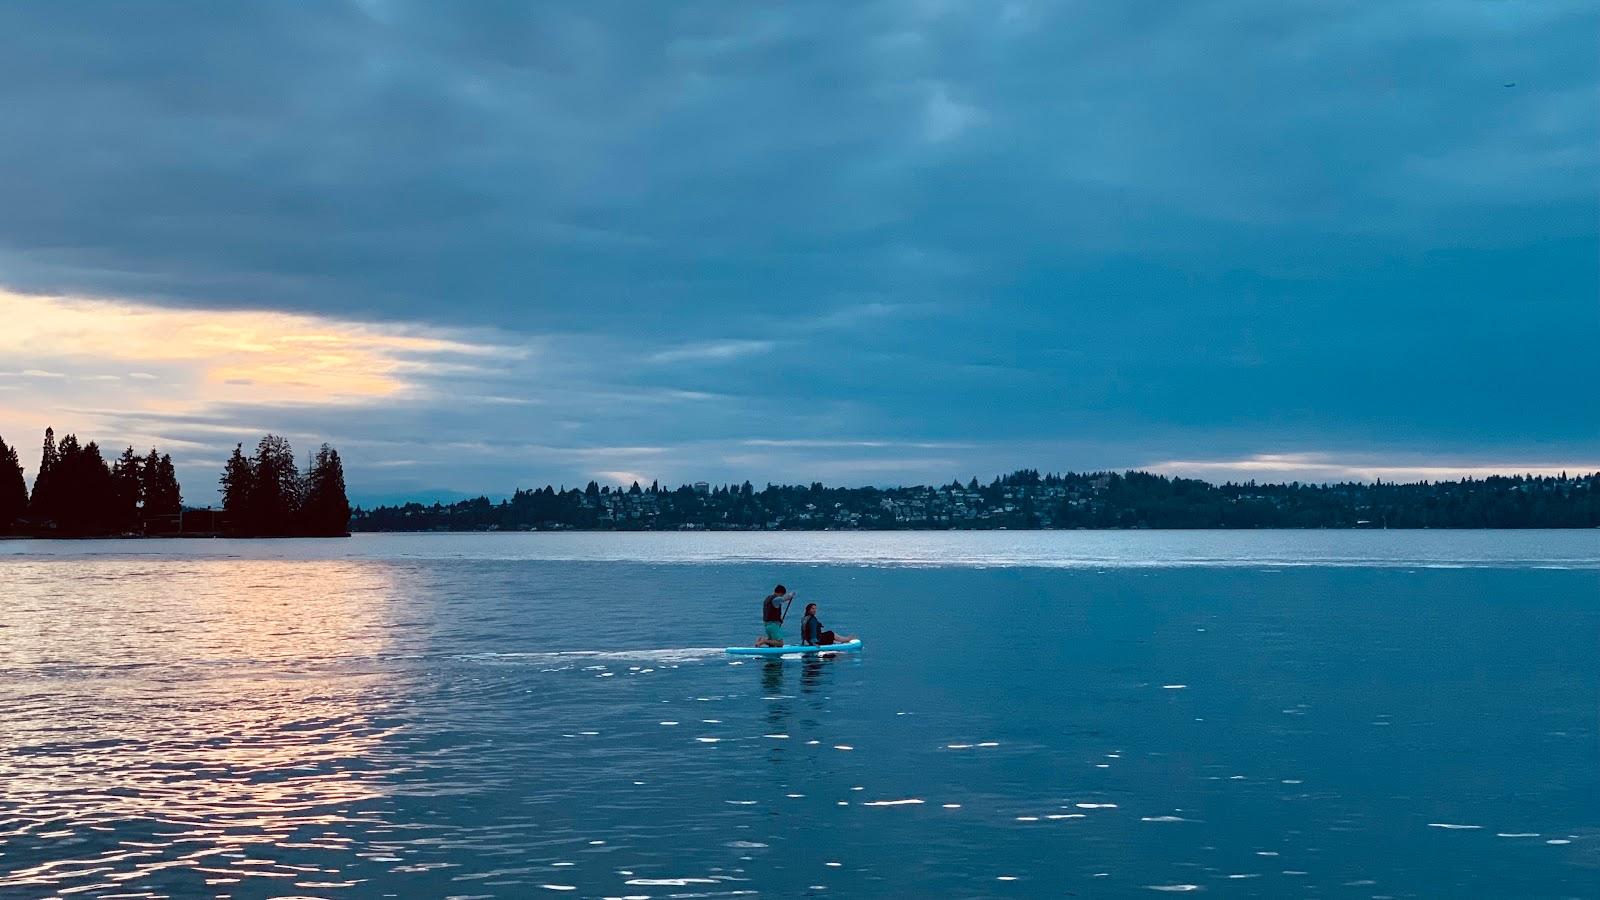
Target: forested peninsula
[1021, 500]
[77, 493]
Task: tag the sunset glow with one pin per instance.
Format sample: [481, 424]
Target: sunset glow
[84, 347]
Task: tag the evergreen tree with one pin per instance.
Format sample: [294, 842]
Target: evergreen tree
[62, 495]
[128, 491]
[43, 503]
[83, 493]
[158, 485]
[164, 497]
[13, 488]
[276, 494]
[98, 492]
[238, 482]
[149, 469]
[326, 511]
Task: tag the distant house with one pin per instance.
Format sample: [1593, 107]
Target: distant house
[188, 521]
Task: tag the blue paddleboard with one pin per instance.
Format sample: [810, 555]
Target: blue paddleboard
[792, 649]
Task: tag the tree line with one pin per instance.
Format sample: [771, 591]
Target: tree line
[77, 492]
[1025, 499]
[264, 494]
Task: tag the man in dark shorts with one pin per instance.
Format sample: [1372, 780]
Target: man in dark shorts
[772, 617]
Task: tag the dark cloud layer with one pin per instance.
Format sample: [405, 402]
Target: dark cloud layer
[1069, 235]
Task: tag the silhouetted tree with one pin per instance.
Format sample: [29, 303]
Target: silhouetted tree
[76, 493]
[326, 510]
[64, 492]
[159, 485]
[83, 494]
[1028, 499]
[148, 469]
[42, 505]
[238, 481]
[127, 490]
[13, 488]
[275, 493]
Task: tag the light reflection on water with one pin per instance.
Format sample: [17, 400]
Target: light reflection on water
[1570, 548]
[249, 724]
[162, 717]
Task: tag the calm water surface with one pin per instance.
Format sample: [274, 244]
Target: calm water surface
[1351, 714]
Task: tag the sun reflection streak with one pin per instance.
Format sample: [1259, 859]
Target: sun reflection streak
[235, 710]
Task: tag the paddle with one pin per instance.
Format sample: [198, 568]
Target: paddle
[786, 609]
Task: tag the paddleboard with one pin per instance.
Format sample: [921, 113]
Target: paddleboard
[795, 649]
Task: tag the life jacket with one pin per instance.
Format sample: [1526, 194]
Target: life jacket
[770, 611]
[811, 630]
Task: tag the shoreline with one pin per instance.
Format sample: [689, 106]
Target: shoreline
[167, 537]
[720, 531]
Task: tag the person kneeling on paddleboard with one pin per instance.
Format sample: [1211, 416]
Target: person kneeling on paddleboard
[813, 634]
[772, 612]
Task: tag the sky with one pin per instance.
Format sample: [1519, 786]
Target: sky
[477, 246]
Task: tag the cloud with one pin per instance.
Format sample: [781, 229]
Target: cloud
[712, 351]
[225, 375]
[1325, 467]
[844, 444]
[484, 239]
[278, 358]
[944, 118]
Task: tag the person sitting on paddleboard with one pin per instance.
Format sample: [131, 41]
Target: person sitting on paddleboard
[813, 634]
[772, 610]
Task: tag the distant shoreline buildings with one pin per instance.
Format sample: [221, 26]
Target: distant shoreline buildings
[78, 493]
[1022, 500]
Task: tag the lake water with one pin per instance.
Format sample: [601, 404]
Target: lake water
[1350, 714]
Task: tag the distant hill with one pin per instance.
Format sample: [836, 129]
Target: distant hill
[1025, 499]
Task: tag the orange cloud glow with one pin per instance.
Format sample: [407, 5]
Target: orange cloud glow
[183, 357]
